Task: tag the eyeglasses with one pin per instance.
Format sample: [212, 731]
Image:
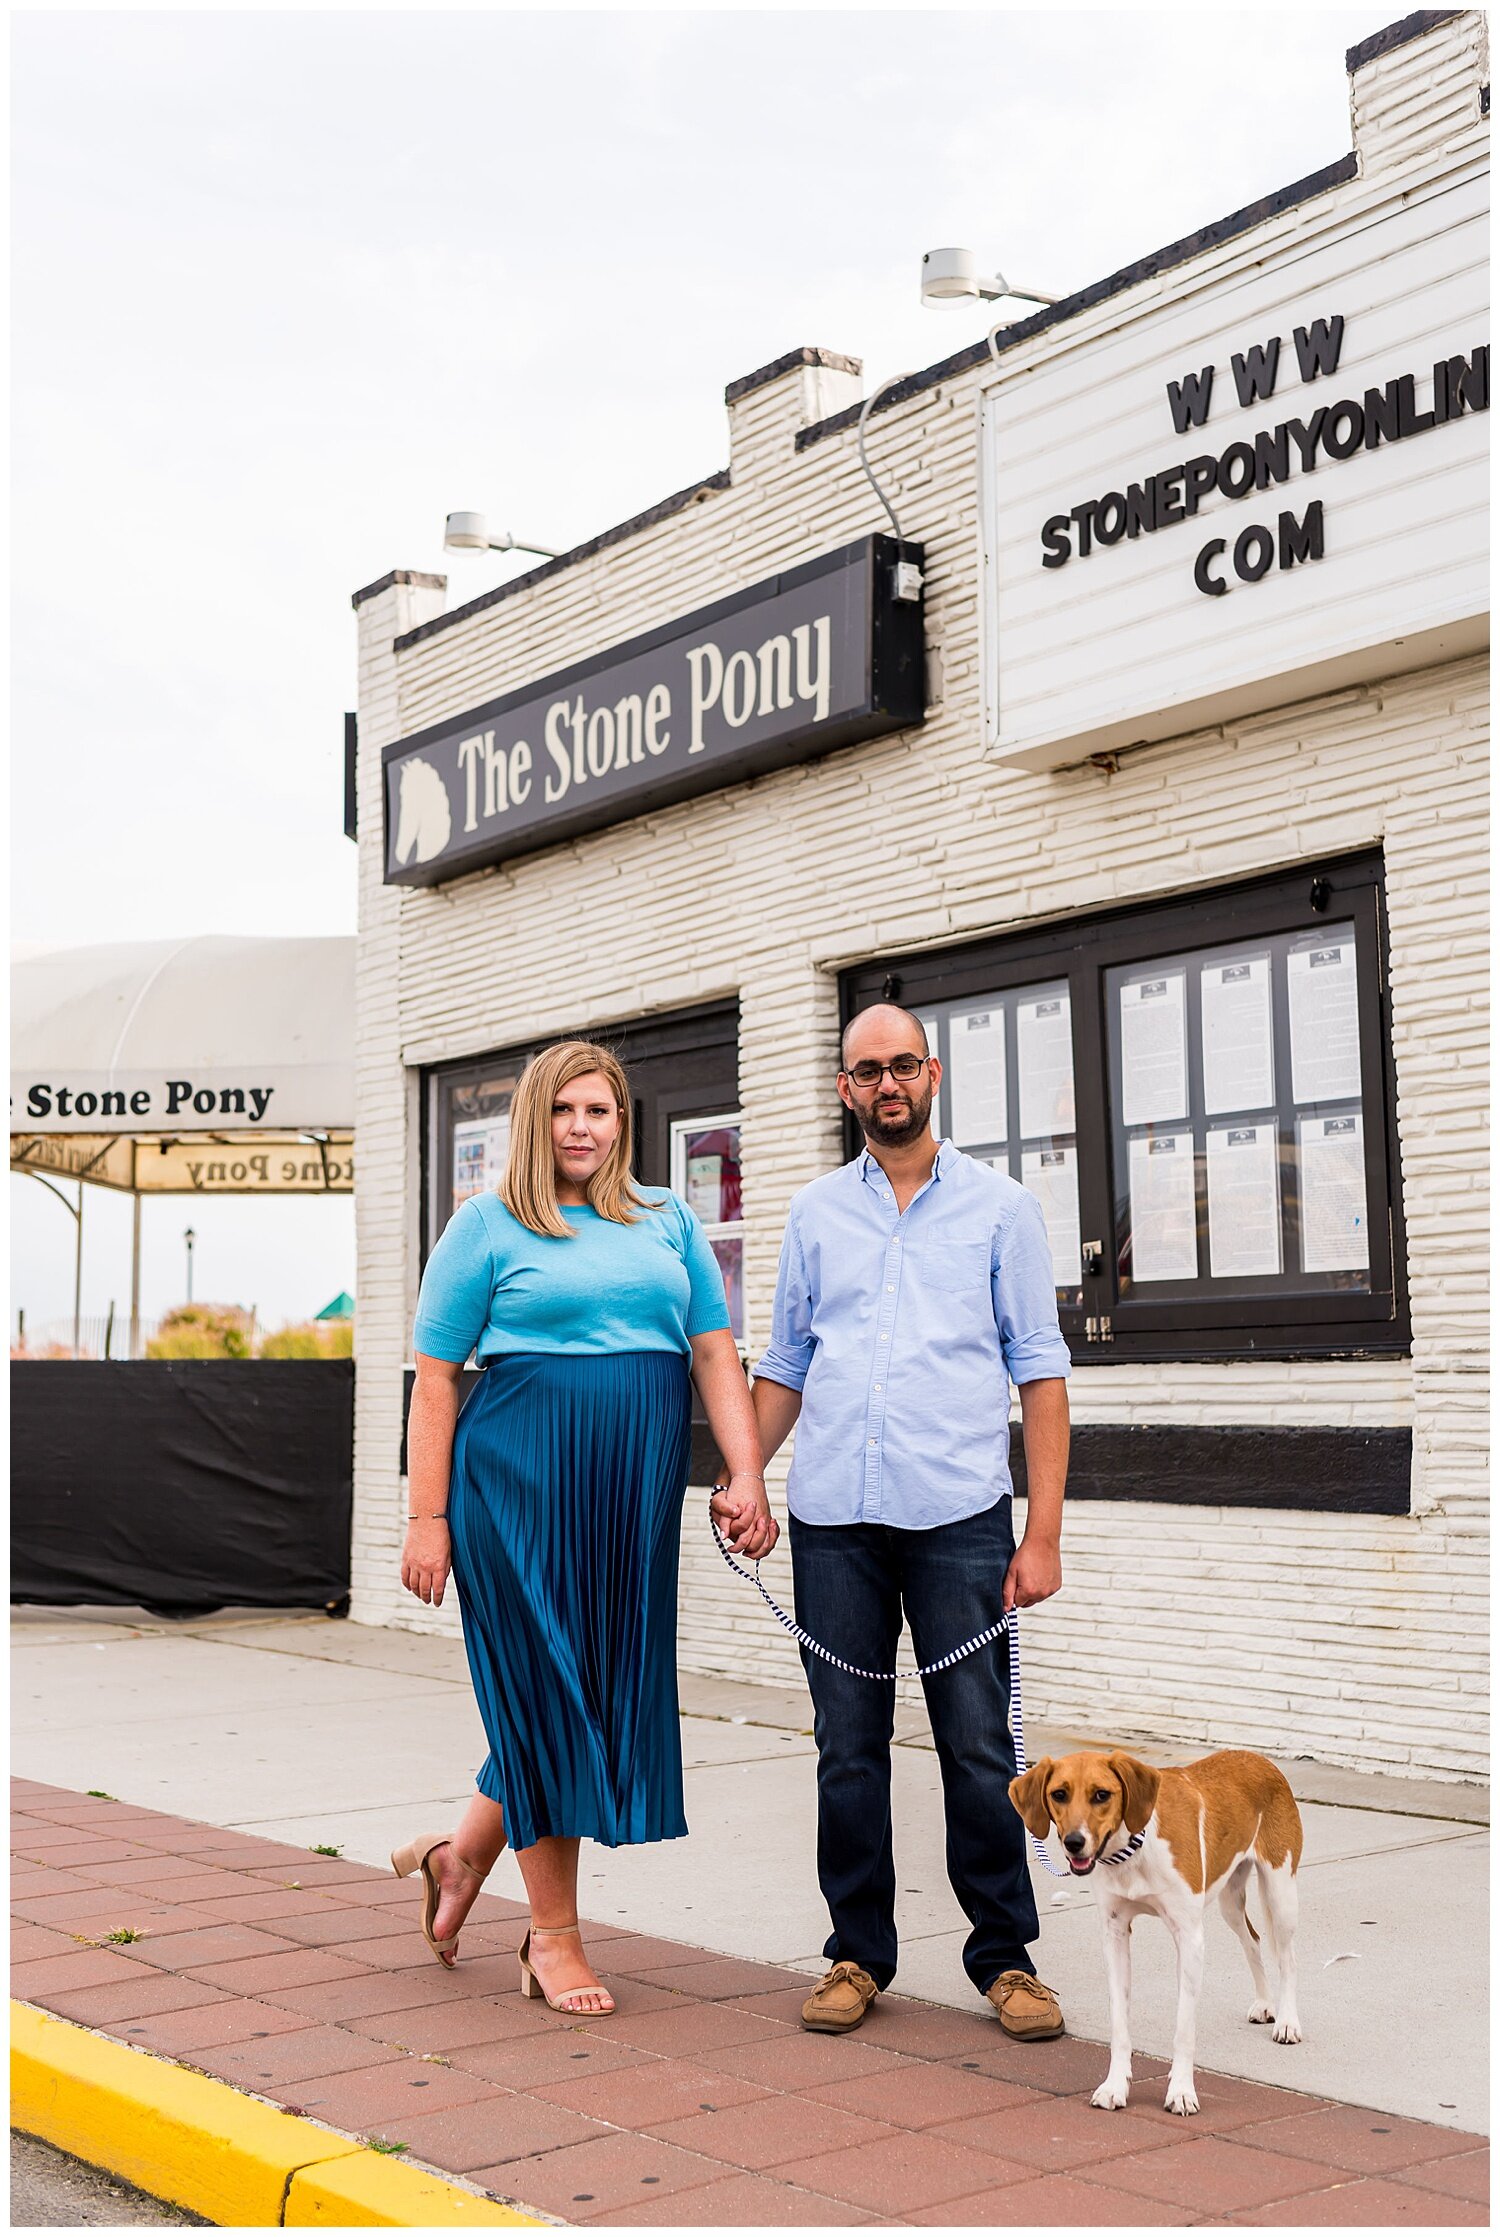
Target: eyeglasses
[903, 1067]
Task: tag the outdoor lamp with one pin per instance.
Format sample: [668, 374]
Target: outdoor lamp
[951, 274]
[471, 532]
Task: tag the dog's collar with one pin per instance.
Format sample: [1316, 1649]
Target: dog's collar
[1136, 1841]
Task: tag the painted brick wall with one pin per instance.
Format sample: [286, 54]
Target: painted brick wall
[1408, 101]
[1358, 1640]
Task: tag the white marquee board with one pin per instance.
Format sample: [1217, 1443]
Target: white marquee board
[1120, 646]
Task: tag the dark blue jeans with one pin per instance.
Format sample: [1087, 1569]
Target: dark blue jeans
[853, 1582]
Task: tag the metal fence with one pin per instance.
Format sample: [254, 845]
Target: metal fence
[100, 1336]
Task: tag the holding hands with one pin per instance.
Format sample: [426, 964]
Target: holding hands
[743, 1513]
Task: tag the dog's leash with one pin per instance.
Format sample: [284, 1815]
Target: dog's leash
[1010, 1626]
[825, 1654]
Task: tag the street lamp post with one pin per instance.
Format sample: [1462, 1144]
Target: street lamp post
[189, 1238]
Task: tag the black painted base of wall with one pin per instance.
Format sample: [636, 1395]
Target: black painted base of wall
[1332, 1471]
[1328, 1471]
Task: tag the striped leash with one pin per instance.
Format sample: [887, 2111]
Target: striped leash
[1011, 1626]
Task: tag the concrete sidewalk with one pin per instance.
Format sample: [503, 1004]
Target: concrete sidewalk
[302, 1980]
[309, 1731]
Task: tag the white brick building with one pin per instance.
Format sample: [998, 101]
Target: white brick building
[1116, 769]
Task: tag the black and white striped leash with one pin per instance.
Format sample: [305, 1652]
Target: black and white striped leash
[1009, 1626]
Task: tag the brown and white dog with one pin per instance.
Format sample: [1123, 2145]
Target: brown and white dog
[1163, 1842]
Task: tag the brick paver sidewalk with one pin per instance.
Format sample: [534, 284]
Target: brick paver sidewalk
[700, 2100]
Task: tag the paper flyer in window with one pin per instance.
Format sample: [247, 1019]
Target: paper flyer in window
[976, 1076]
[705, 1187]
[1323, 1005]
[1163, 1209]
[1044, 1059]
[1153, 1049]
[1238, 1067]
[1331, 1182]
[480, 1147]
[1052, 1177]
[1244, 1201]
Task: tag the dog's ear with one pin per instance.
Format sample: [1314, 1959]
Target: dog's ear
[1029, 1794]
[1140, 1783]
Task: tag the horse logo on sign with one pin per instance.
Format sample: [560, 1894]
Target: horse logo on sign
[425, 823]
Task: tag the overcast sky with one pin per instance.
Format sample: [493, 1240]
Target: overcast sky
[289, 287]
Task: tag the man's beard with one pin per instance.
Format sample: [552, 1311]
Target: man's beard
[894, 1133]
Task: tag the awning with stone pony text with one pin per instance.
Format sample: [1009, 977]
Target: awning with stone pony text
[210, 1065]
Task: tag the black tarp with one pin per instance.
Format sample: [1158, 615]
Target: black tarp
[182, 1485]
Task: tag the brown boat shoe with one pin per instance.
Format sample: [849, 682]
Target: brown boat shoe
[1028, 2009]
[840, 2000]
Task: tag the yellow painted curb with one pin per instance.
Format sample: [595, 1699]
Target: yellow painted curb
[368, 2190]
[203, 2145]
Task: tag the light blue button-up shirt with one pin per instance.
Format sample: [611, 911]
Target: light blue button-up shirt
[903, 1333]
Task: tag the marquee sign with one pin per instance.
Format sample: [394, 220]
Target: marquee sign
[1295, 446]
[823, 655]
[1255, 490]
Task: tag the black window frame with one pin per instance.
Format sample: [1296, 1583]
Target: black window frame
[1082, 950]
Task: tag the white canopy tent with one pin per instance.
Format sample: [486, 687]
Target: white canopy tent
[205, 1066]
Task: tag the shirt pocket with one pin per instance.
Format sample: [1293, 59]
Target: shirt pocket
[955, 1266]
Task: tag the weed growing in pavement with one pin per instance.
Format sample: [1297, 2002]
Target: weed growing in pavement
[379, 2144]
[98, 1794]
[124, 1934]
[322, 1848]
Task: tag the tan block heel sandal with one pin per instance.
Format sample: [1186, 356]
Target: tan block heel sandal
[568, 2001]
[415, 1857]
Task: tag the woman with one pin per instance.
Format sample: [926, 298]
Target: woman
[555, 1497]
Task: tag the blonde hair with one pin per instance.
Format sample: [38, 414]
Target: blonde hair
[529, 1189]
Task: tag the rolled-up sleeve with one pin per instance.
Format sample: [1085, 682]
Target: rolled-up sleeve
[458, 1284]
[1025, 1294]
[789, 1355]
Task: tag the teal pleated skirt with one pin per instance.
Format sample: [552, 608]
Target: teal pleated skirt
[565, 1513]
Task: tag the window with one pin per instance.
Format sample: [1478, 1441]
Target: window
[1007, 1097]
[479, 1134]
[706, 1175]
[1235, 1098]
[1200, 1094]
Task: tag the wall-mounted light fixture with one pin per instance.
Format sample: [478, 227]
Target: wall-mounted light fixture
[470, 532]
[953, 275]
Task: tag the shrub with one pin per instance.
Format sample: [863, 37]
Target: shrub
[202, 1332]
[310, 1339]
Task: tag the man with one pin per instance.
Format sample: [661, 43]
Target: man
[916, 1284]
